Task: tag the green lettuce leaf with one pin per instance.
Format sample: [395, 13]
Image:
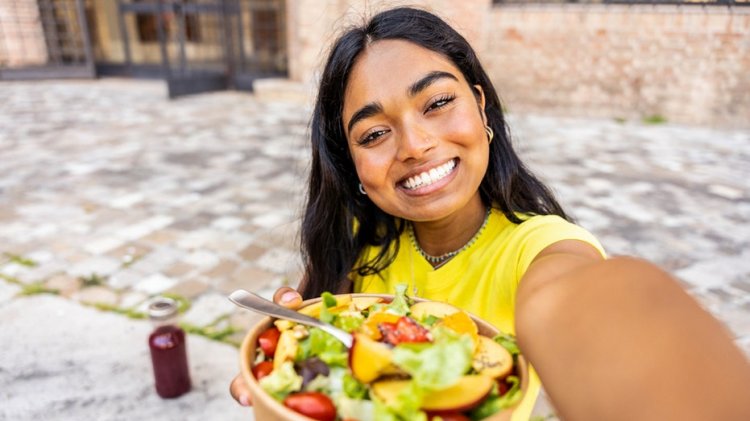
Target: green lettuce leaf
[349, 322]
[494, 403]
[328, 301]
[406, 409]
[430, 320]
[282, 381]
[384, 413]
[356, 409]
[432, 366]
[324, 346]
[508, 342]
[513, 395]
[439, 365]
[400, 303]
[409, 402]
[320, 383]
[353, 388]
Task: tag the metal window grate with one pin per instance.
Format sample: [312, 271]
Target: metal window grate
[206, 44]
[45, 38]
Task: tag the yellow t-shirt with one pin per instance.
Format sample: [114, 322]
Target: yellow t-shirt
[481, 279]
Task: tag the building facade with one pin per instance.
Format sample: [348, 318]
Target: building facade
[196, 45]
[682, 62]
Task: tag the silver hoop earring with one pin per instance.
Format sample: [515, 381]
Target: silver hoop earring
[490, 133]
[362, 190]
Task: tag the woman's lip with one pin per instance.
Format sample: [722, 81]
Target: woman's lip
[425, 190]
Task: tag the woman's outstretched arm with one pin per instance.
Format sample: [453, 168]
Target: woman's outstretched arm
[620, 339]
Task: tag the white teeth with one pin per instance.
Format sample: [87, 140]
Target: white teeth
[428, 177]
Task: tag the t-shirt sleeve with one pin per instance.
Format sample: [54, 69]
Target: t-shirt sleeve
[538, 232]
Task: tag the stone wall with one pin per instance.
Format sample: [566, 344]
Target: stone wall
[21, 34]
[687, 64]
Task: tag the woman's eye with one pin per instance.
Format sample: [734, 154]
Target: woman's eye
[440, 102]
[372, 136]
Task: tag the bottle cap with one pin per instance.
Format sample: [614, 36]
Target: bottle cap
[162, 308]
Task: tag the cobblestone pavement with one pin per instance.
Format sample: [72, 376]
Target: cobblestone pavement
[110, 194]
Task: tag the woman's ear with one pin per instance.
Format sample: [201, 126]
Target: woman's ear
[479, 94]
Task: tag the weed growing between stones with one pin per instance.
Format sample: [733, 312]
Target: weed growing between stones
[18, 259]
[36, 288]
[211, 332]
[11, 279]
[29, 289]
[93, 280]
[131, 313]
[654, 119]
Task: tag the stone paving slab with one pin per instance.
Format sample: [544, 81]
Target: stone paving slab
[68, 362]
[111, 194]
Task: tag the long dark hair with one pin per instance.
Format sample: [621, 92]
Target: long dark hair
[332, 239]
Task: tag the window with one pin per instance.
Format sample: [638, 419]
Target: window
[148, 29]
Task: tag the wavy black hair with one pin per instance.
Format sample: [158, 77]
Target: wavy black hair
[331, 239]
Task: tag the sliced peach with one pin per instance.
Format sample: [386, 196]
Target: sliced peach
[283, 325]
[465, 394]
[286, 349]
[363, 303]
[461, 322]
[313, 310]
[368, 359]
[388, 390]
[343, 299]
[492, 359]
[423, 309]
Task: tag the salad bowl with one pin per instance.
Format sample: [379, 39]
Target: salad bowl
[267, 407]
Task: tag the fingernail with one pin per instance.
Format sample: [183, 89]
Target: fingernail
[288, 297]
[244, 400]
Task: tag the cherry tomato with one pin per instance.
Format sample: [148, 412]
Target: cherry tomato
[268, 341]
[450, 416]
[404, 330]
[312, 404]
[262, 369]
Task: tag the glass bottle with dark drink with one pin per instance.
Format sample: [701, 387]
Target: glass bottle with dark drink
[168, 349]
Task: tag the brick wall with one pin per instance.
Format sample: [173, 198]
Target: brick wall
[312, 25]
[21, 34]
[687, 64]
[684, 63]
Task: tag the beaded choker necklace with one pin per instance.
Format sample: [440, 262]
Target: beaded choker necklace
[438, 261]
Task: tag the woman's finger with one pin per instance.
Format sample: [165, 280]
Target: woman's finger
[287, 297]
[240, 392]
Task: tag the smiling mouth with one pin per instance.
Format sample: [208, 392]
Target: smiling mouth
[429, 177]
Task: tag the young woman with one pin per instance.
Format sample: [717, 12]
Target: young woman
[414, 180]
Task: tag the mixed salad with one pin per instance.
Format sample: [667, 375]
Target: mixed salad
[409, 361]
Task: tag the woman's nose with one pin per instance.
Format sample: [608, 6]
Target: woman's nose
[414, 142]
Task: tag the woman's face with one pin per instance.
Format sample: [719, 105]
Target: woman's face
[415, 130]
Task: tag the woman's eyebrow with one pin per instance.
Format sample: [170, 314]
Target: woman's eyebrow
[368, 110]
[428, 80]
[374, 108]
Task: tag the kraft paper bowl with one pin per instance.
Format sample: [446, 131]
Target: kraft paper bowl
[268, 408]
